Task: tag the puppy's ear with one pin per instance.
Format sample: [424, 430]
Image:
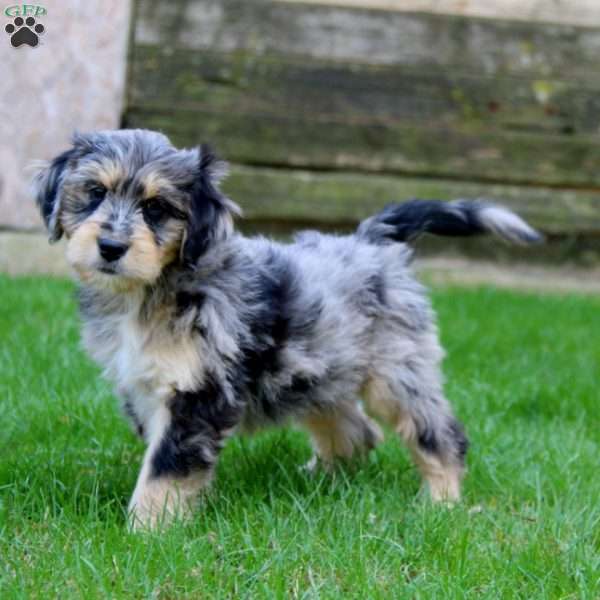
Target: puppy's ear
[211, 213]
[47, 184]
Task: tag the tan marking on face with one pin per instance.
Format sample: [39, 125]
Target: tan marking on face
[82, 247]
[110, 173]
[83, 256]
[141, 264]
[153, 183]
[145, 259]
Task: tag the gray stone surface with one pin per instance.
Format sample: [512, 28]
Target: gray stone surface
[30, 254]
[73, 80]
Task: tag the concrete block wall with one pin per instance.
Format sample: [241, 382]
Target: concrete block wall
[73, 80]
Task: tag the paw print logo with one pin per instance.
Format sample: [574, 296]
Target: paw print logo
[24, 31]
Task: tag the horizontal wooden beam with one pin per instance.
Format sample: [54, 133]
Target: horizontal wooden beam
[472, 152]
[328, 87]
[585, 13]
[360, 35]
[329, 199]
[286, 86]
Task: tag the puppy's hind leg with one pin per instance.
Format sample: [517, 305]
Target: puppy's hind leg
[423, 419]
[341, 432]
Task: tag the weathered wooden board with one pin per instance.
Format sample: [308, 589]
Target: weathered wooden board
[405, 147]
[301, 198]
[321, 89]
[359, 35]
[325, 87]
[576, 12]
[329, 112]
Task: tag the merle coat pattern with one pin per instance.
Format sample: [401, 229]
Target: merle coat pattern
[206, 332]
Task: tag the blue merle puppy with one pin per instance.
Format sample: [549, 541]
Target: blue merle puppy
[206, 332]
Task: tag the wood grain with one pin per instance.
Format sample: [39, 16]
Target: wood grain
[301, 197]
[329, 112]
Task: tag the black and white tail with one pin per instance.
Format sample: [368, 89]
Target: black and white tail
[407, 221]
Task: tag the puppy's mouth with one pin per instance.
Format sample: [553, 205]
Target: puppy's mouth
[108, 269]
[107, 277]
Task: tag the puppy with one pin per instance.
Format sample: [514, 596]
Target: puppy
[206, 332]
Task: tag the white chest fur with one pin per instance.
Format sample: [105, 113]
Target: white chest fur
[147, 361]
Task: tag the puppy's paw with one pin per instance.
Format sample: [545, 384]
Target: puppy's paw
[443, 489]
[311, 466]
[140, 520]
[153, 518]
[372, 435]
[157, 505]
[317, 464]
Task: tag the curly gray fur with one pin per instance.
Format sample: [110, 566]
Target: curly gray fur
[206, 332]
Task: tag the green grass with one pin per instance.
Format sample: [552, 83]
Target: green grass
[522, 374]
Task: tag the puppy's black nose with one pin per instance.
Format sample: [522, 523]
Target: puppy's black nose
[111, 250]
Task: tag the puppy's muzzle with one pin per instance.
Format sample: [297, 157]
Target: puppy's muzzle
[111, 250]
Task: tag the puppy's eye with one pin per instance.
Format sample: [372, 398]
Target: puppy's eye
[97, 193]
[154, 211]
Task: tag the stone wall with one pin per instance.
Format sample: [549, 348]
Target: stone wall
[73, 80]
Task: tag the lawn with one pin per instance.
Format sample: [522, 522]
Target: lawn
[522, 372]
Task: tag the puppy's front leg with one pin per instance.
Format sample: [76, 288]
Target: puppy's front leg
[185, 437]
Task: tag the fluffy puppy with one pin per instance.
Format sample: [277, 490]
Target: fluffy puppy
[206, 332]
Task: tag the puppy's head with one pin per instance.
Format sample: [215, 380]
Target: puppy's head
[130, 204]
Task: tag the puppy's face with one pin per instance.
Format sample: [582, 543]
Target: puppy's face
[130, 204]
[121, 226]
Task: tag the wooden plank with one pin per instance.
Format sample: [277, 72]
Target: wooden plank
[337, 88]
[470, 152]
[282, 85]
[343, 199]
[585, 13]
[360, 35]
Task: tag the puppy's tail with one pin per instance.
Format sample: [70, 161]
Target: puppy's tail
[407, 221]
